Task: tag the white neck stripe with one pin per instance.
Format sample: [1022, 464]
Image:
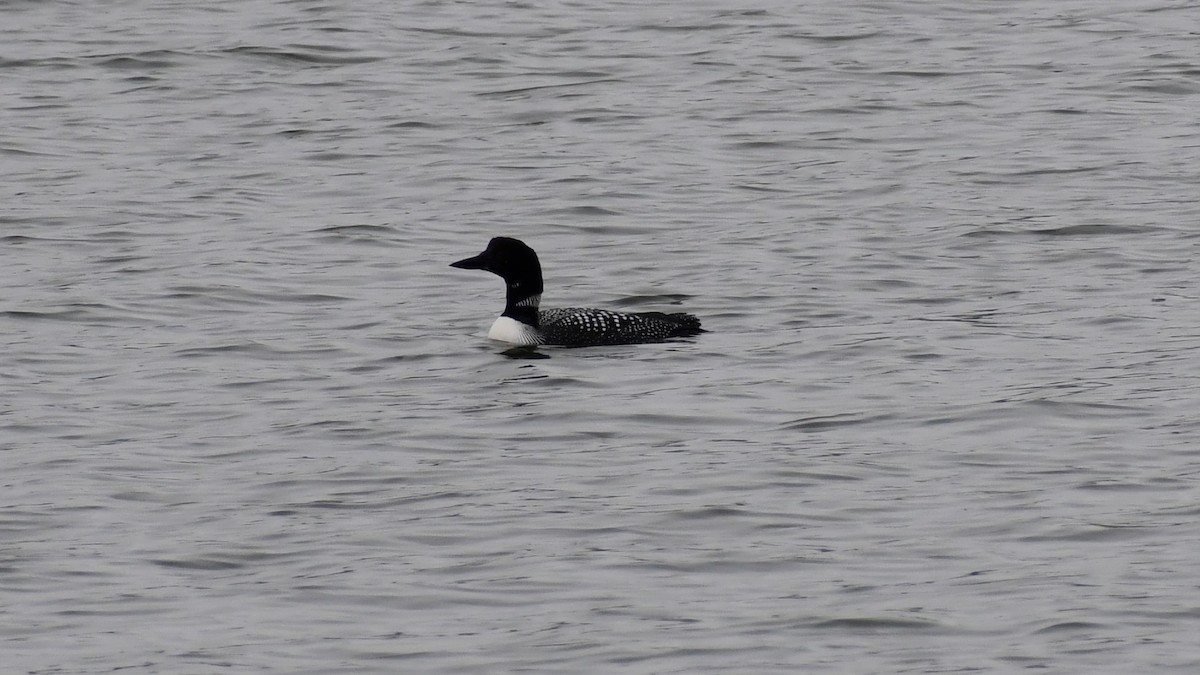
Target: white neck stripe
[531, 301]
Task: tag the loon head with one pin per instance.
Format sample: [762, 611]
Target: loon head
[511, 260]
[518, 265]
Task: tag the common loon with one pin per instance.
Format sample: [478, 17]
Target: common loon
[522, 323]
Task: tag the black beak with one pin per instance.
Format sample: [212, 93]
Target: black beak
[479, 262]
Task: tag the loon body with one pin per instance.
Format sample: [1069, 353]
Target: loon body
[524, 323]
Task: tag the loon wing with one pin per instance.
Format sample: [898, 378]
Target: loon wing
[579, 327]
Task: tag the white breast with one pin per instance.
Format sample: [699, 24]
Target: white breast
[510, 330]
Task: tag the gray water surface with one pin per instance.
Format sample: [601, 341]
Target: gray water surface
[944, 419]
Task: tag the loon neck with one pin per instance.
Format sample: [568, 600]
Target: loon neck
[522, 306]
